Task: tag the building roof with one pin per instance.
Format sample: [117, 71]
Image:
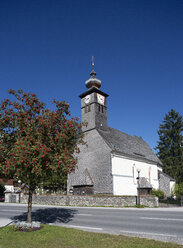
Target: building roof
[166, 175]
[5, 181]
[144, 184]
[82, 178]
[91, 90]
[125, 144]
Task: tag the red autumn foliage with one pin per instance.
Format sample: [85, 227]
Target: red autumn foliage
[37, 143]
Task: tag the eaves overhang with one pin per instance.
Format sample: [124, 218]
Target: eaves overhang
[129, 156]
[91, 90]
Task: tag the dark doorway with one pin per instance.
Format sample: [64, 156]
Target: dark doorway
[83, 190]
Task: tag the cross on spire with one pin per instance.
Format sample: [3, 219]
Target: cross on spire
[93, 63]
[93, 73]
[93, 81]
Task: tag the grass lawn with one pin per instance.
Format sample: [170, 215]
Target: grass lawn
[55, 237]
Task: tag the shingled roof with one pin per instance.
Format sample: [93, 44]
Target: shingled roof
[166, 175]
[144, 184]
[82, 178]
[128, 145]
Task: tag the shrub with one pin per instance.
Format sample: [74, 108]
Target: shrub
[158, 193]
[178, 190]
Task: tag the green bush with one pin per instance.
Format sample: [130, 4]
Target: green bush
[178, 190]
[158, 193]
[170, 200]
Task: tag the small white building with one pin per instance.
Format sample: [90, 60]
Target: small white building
[8, 184]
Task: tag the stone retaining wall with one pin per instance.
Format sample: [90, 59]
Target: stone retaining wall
[84, 201]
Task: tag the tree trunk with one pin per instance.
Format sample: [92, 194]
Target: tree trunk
[29, 218]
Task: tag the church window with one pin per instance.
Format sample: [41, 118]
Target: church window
[133, 173]
[149, 174]
[100, 108]
[87, 108]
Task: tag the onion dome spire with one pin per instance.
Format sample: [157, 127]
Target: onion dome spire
[93, 81]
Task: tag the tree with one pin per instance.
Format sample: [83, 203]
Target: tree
[178, 190]
[37, 144]
[170, 150]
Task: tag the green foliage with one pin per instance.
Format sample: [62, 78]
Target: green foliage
[2, 189]
[56, 184]
[169, 146]
[37, 144]
[158, 193]
[178, 190]
[170, 200]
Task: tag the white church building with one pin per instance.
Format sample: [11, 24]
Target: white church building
[112, 160]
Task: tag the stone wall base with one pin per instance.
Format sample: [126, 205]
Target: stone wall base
[92, 201]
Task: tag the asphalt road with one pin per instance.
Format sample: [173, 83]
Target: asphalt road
[165, 224]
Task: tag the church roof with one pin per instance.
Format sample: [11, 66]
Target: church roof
[91, 90]
[125, 144]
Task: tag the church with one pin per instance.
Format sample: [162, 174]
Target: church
[112, 162]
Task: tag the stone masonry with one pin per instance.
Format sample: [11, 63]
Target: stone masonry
[92, 201]
[164, 183]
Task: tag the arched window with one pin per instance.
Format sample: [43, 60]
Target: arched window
[87, 108]
[149, 174]
[133, 173]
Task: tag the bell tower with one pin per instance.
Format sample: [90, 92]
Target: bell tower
[94, 103]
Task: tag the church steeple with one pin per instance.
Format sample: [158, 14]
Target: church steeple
[93, 81]
[94, 103]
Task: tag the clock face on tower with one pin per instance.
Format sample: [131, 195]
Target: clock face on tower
[87, 99]
[100, 99]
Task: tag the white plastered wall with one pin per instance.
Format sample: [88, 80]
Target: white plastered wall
[172, 186]
[124, 171]
[9, 188]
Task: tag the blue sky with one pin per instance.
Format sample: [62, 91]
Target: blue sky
[46, 48]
